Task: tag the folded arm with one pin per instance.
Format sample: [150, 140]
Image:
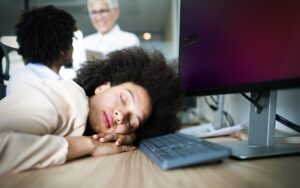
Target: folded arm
[21, 151]
[84, 145]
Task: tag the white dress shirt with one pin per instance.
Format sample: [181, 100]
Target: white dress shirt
[29, 73]
[115, 39]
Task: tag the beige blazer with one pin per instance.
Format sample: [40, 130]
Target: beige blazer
[34, 121]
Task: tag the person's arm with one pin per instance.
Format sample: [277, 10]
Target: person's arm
[79, 146]
[21, 151]
[83, 145]
[34, 121]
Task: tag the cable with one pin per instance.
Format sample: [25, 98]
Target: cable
[287, 123]
[215, 108]
[229, 118]
[278, 118]
[214, 100]
[255, 102]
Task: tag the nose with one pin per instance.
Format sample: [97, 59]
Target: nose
[121, 122]
[119, 116]
[98, 16]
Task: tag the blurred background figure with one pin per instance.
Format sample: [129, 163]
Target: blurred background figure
[109, 37]
[45, 37]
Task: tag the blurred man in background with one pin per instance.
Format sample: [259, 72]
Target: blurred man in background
[109, 36]
[45, 37]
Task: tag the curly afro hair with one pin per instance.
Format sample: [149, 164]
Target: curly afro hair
[43, 32]
[149, 70]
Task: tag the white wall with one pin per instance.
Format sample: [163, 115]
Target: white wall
[170, 44]
[288, 106]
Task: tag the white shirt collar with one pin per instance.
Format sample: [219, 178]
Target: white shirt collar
[42, 71]
[111, 33]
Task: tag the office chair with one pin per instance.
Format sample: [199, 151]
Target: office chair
[4, 74]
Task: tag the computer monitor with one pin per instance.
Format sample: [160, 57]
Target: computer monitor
[234, 46]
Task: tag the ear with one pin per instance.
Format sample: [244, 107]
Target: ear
[102, 87]
[116, 13]
[61, 53]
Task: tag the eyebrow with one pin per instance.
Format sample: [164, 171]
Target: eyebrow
[133, 99]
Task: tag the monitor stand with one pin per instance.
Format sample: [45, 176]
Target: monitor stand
[261, 132]
[219, 118]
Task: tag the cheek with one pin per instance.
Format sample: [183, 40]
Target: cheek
[94, 123]
[94, 20]
[110, 21]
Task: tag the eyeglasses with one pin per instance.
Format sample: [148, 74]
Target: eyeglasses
[102, 12]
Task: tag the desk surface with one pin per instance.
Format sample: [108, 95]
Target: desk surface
[134, 169]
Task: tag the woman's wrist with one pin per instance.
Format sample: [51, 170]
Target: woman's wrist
[80, 146]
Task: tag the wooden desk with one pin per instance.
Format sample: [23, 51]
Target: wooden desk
[134, 169]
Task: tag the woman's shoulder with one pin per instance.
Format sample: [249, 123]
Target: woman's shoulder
[65, 87]
[65, 96]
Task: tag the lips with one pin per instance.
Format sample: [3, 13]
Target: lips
[101, 23]
[107, 120]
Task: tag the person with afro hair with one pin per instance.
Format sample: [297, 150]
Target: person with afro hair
[111, 105]
[45, 37]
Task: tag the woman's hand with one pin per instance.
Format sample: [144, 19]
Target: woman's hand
[120, 139]
[109, 148]
[79, 146]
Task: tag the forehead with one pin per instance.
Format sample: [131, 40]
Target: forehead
[130, 86]
[95, 5]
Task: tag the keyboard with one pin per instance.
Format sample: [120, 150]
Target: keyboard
[177, 150]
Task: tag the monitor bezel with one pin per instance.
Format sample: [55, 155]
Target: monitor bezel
[251, 87]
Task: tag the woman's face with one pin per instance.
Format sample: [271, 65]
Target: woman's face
[119, 109]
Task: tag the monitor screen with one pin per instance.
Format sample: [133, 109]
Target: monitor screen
[231, 46]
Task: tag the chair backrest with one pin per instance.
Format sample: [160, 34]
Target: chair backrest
[2, 91]
[4, 74]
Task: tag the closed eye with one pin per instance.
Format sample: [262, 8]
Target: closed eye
[122, 99]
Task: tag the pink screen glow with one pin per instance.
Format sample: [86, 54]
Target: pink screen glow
[236, 42]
